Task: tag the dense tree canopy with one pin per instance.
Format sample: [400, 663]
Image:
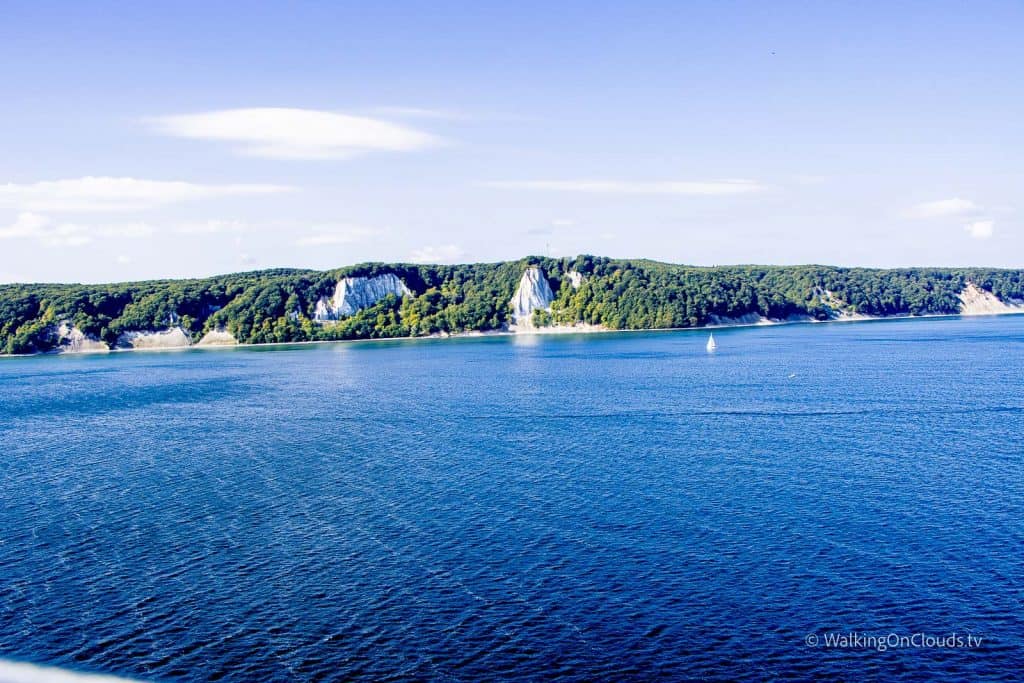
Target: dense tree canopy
[278, 305]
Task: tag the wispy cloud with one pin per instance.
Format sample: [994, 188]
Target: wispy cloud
[980, 230]
[978, 225]
[281, 133]
[40, 228]
[116, 194]
[666, 187]
[943, 208]
[337, 234]
[447, 253]
[51, 233]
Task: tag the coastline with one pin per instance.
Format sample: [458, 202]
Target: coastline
[556, 330]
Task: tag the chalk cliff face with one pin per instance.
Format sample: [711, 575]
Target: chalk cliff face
[575, 278]
[356, 293]
[533, 293]
[976, 301]
[70, 339]
[745, 319]
[172, 338]
[218, 337]
[835, 307]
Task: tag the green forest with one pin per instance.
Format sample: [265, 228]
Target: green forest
[278, 305]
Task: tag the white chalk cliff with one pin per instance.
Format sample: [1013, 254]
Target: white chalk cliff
[836, 308]
[976, 301]
[575, 278]
[356, 293]
[172, 338]
[70, 339]
[218, 336]
[745, 319]
[533, 294]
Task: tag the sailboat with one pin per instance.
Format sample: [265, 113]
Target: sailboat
[711, 343]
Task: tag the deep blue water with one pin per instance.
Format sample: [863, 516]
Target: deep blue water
[620, 507]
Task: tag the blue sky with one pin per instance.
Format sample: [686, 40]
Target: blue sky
[187, 140]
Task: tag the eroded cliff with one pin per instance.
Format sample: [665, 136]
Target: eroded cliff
[353, 294]
[533, 294]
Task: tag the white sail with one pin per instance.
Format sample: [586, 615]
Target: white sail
[711, 343]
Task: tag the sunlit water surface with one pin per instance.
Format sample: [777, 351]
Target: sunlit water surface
[621, 506]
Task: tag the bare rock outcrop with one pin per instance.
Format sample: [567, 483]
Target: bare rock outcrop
[977, 301]
[218, 336]
[70, 339]
[353, 294]
[172, 338]
[533, 294]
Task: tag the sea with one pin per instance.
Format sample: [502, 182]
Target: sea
[812, 501]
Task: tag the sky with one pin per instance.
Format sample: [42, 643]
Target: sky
[153, 140]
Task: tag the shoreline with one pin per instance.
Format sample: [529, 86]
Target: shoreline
[558, 330]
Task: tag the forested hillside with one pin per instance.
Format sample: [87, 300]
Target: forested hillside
[279, 305]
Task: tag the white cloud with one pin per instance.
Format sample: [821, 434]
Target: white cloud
[27, 224]
[40, 228]
[337, 234]
[51, 233]
[980, 230]
[280, 133]
[448, 253]
[944, 208]
[116, 194]
[670, 187]
[65, 235]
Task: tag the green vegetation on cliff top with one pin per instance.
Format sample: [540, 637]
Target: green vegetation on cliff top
[278, 305]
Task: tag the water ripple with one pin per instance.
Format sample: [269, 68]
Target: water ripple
[623, 508]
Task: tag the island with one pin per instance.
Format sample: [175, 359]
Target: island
[530, 295]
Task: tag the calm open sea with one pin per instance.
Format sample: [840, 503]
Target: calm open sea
[621, 506]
